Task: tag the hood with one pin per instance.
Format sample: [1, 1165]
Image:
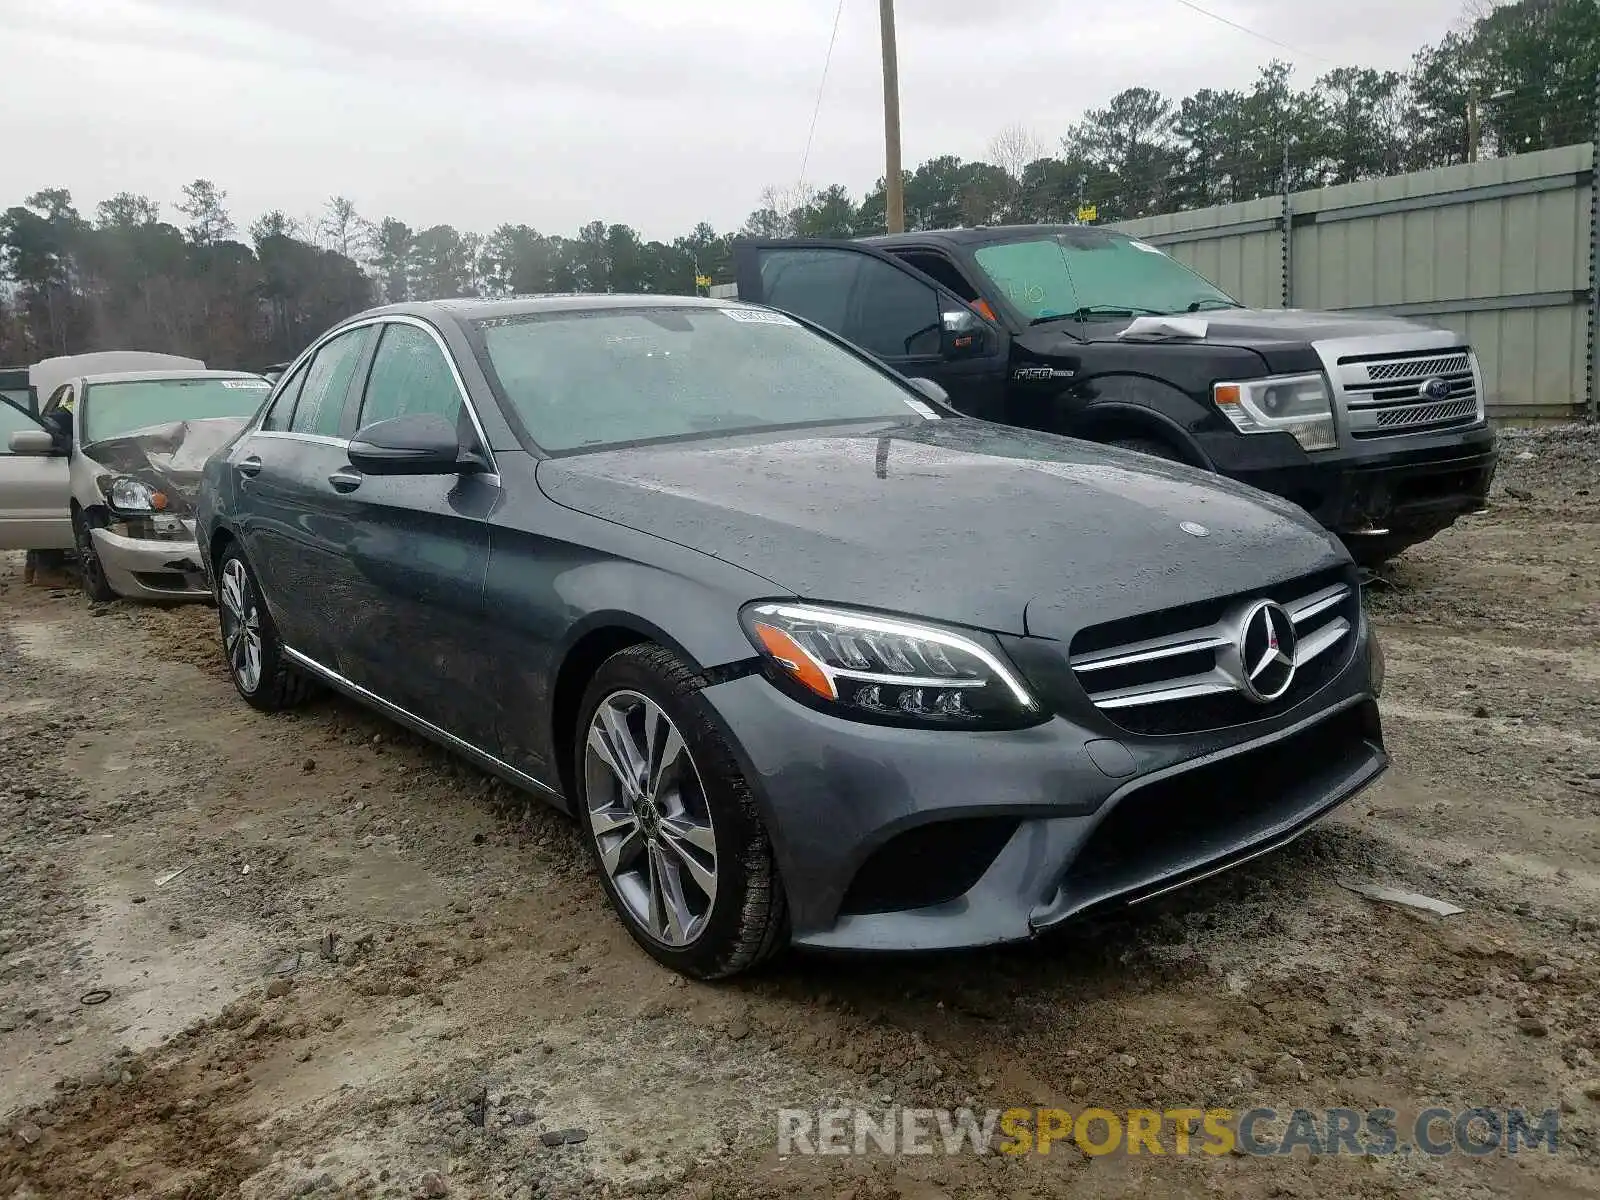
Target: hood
[1253, 328]
[956, 520]
[169, 457]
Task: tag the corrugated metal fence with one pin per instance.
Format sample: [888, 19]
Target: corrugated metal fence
[1500, 251]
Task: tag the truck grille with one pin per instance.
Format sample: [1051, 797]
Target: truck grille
[1388, 395]
[1216, 664]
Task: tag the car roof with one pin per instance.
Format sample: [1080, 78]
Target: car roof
[470, 309]
[138, 376]
[977, 235]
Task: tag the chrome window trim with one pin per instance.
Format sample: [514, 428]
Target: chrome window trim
[362, 323]
[428, 728]
[315, 438]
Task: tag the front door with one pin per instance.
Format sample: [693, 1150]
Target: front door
[35, 495]
[886, 307]
[418, 552]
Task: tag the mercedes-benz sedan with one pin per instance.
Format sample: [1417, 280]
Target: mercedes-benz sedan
[808, 657]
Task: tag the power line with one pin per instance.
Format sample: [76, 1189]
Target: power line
[1206, 12]
[805, 159]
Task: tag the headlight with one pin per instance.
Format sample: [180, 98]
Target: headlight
[128, 494]
[874, 668]
[1299, 405]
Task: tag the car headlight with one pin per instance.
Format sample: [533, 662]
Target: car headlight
[127, 494]
[874, 668]
[1299, 405]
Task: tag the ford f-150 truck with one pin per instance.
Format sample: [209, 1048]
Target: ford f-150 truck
[1373, 424]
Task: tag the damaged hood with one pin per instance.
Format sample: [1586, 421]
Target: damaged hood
[168, 457]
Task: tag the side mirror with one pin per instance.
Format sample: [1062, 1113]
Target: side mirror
[417, 444]
[963, 334]
[35, 442]
[930, 389]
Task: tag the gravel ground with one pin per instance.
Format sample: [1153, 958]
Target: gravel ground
[309, 955]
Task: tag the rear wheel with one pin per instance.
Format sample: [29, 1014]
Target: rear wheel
[256, 662]
[669, 820]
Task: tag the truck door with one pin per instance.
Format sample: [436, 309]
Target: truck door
[887, 308]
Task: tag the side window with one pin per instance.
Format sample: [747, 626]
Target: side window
[896, 316]
[322, 396]
[937, 266]
[409, 375]
[282, 410]
[814, 284]
[13, 420]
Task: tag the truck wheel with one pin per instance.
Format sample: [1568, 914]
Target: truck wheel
[1145, 445]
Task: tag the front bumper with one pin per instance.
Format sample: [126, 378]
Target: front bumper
[896, 839]
[150, 569]
[1405, 485]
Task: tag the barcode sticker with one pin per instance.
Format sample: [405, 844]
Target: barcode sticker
[757, 316]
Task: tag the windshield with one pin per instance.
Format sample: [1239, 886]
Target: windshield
[1088, 272]
[604, 376]
[110, 410]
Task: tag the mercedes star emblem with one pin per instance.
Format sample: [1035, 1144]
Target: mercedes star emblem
[1266, 651]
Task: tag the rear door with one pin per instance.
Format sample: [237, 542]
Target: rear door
[35, 494]
[888, 308]
[295, 526]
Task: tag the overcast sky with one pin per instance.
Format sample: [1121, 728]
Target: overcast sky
[656, 113]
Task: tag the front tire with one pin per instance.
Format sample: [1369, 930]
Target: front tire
[260, 670]
[670, 822]
[91, 572]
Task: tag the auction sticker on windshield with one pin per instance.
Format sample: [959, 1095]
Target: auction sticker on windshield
[757, 316]
[246, 383]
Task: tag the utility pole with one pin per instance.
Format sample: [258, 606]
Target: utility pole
[1472, 123]
[893, 184]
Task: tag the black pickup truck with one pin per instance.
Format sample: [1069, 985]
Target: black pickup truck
[1373, 424]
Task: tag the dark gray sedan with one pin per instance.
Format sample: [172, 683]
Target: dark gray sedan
[809, 658]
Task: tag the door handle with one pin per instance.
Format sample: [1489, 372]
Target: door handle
[346, 479]
[248, 466]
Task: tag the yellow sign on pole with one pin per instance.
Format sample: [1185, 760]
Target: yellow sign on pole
[702, 281]
[1087, 213]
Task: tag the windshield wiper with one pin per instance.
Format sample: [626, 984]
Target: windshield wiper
[1100, 310]
[1211, 301]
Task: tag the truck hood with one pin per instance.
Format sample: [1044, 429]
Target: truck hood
[957, 520]
[168, 457]
[1251, 328]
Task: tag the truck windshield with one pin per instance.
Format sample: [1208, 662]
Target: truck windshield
[110, 410]
[1085, 273]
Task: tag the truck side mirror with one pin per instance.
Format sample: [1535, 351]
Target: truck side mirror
[962, 334]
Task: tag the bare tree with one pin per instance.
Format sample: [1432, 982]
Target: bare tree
[1013, 148]
[343, 228]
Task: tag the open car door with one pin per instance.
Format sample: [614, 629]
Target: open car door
[910, 321]
[35, 495]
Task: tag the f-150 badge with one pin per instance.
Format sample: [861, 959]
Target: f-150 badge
[1041, 374]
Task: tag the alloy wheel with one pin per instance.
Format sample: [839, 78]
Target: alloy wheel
[241, 625]
[649, 818]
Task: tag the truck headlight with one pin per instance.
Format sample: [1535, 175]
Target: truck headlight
[888, 670]
[131, 495]
[1299, 405]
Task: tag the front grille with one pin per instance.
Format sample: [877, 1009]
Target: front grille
[1384, 396]
[1186, 670]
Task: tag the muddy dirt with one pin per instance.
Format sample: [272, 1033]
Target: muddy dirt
[310, 955]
